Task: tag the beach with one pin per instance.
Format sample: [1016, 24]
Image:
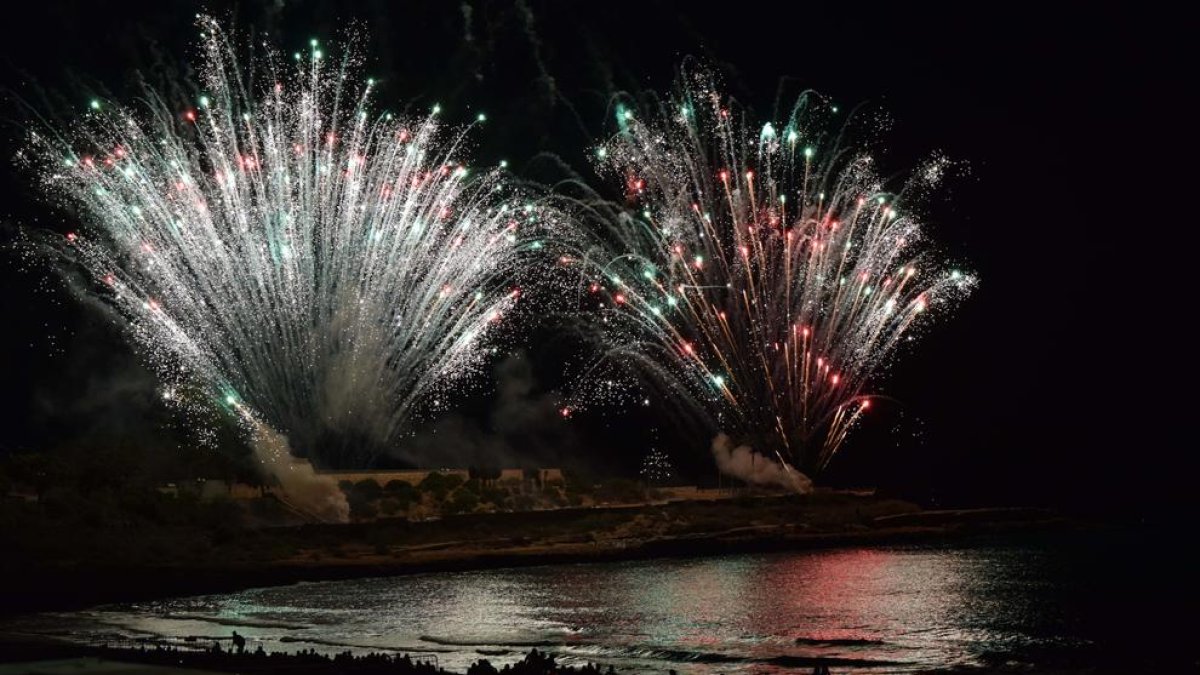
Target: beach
[1025, 600]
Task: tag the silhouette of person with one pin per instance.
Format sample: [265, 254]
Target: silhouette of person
[239, 642]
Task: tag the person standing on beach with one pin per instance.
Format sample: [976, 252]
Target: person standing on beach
[239, 642]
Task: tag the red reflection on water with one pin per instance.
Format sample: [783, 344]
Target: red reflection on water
[834, 604]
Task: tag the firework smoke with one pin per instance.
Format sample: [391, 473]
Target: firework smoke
[306, 491]
[324, 271]
[743, 463]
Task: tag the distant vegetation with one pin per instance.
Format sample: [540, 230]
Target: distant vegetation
[124, 504]
[447, 494]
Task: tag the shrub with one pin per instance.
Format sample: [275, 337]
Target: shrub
[397, 486]
[362, 510]
[523, 503]
[464, 501]
[390, 506]
[494, 495]
[401, 492]
[440, 484]
[368, 489]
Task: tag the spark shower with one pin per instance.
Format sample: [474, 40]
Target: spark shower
[326, 271]
[313, 265]
[764, 275]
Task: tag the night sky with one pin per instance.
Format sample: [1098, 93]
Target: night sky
[1047, 386]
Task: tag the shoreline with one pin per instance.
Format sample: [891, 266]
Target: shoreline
[33, 654]
[64, 588]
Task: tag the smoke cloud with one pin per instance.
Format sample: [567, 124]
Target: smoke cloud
[303, 489]
[522, 428]
[742, 462]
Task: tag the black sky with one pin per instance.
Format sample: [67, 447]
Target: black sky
[1049, 385]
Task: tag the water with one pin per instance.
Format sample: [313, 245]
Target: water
[1051, 601]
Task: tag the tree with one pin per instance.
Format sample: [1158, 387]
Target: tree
[494, 495]
[440, 484]
[368, 490]
[396, 486]
[361, 510]
[463, 501]
[401, 492]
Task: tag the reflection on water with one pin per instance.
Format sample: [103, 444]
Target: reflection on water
[895, 609]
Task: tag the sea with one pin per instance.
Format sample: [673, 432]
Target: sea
[1047, 602]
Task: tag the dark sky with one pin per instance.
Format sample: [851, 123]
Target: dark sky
[1050, 383]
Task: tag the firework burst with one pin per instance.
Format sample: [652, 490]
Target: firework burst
[311, 264]
[763, 274]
